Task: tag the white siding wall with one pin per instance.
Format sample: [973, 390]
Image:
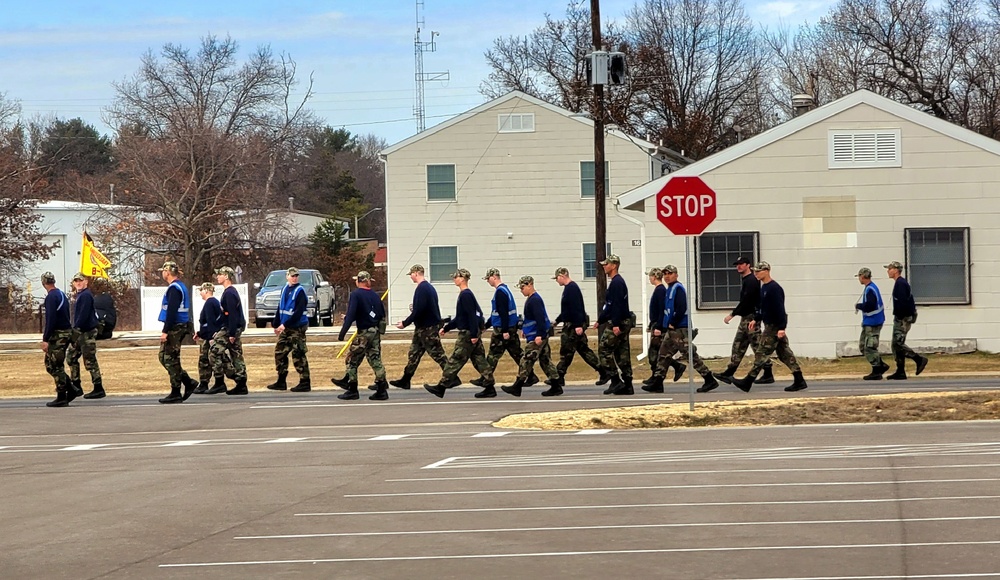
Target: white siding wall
[942, 183]
[525, 184]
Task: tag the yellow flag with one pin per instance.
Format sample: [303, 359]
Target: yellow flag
[92, 262]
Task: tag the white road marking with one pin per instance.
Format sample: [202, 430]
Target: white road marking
[549, 401]
[184, 443]
[86, 447]
[586, 553]
[879, 577]
[287, 440]
[387, 437]
[492, 434]
[893, 521]
[593, 431]
[697, 486]
[439, 463]
[654, 505]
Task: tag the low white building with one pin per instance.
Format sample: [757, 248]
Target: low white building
[858, 182]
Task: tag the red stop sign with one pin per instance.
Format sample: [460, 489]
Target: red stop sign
[686, 205]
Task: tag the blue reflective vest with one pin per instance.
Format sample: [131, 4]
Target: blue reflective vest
[668, 307]
[287, 306]
[495, 319]
[184, 310]
[875, 317]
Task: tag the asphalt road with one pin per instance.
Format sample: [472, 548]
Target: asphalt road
[306, 486]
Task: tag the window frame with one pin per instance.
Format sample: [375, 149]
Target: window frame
[607, 179]
[427, 183]
[505, 122]
[583, 259]
[431, 265]
[967, 265]
[702, 304]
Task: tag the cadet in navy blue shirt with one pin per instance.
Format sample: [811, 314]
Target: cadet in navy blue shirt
[55, 340]
[468, 320]
[365, 310]
[573, 316]
[227, 343]
[84, 343]
[536, 337]
[614, 349]
[209, 323]
[425, 315]
[904, 314]
[745, 309]
[656, 329]
[771, 314]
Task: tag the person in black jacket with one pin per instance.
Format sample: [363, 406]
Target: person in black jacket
[425, 316]
[209, 323]
[904, 314]
[227, 345]
[55, 340]
[365, 310]
[573, 338]
[84, 342]
[469, 345]
[749, 301]
[613, 348]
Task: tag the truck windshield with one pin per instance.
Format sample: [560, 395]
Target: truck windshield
[276, 278]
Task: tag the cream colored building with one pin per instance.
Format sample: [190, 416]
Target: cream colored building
[858, 182]
[505, 185]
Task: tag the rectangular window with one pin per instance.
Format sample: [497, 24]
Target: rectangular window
[590, 259]
[587, 179]
[864, 148]
[937, 265]
[443, 261]
[516, 123]
[718, 281]
[440, 183]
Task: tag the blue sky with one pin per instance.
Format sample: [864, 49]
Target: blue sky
[59, 57]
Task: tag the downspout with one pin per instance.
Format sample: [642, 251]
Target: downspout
[645, 282]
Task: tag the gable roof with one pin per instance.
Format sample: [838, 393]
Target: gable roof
[518, 95]
[804, 121]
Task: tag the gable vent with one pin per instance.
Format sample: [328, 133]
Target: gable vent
[865, 148]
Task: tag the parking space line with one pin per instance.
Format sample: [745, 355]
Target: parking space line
[387, 437]
[85, 447]
[184, 443]
[593, 431]
[655, 505]
[697, 486]
[492, 434]
[478, 402]
[286, 440]
[892, 545]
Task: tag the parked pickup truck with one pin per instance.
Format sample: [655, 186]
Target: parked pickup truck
[321, 303]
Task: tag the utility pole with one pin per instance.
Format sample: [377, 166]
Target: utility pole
[600, 229]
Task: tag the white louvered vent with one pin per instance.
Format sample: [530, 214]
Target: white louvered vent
[516, 123]
[865, 148]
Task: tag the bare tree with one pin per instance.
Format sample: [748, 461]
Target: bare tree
[199, 138]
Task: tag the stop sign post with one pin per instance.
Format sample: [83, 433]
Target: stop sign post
[686, 205]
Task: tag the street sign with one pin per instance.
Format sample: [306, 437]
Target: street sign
[686, 205]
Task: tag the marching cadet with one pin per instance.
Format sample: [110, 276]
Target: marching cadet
[227, 347]
[745, 309]
[209, 323]
[574, 319]
[614, 349]
[84, 342]
[872, 318]
[656, 329]
[904, 314]
[469, 321]
[425, 316]
[366, 311]
[536, 336]
[56, 338]
[503, 319]
[290, 324]
[175, 314]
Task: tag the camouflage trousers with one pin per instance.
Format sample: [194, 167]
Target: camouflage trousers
[292, 341]
[868, 344]
[170, 353]
[540, 353]
[676, 341]
[653, 352]
[771, 344]
[55, 357]
[500, 345]
[745, 338]
[900, 328]
[83, 344]
[465, 351]
[571, 343]
[205, 369]
[227, 357]
[424, 340]
[615, 352]
[367, 343]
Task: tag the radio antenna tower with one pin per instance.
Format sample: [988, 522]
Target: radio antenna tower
[419, 76]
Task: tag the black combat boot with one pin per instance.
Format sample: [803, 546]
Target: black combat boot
[350, 393]
[679, 369]
[515, 389]
[239, 389]
[555, 388]
[403, 382]
[279, 385]
[342, 382]
[798, 384]
[72, 391]
[173, 397]
[654, 385]
[381, 391]
[489, 390]
[189, 386]
[202, 388]
[604, 378]
[437, 389]
[60, 400]
[624, 388]
[98, 392]
[746, 383]
[726, 376]
[218, 387]
[532, 379]
[477, 382]
[921, 362]
[76, 389]
[900, 374]
[877, 372]
[616, 381]
[457, 381]
[710, 383]
[305, 385]
[768, 377]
